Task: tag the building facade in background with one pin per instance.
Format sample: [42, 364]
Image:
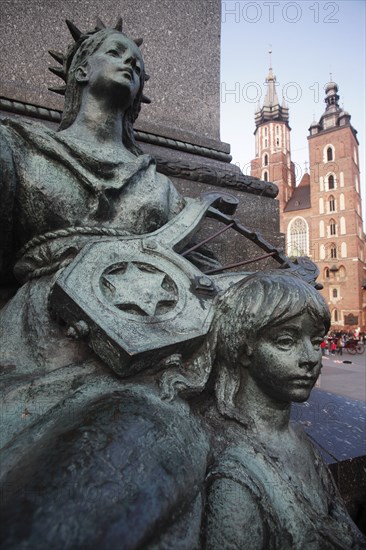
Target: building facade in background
[321, 217]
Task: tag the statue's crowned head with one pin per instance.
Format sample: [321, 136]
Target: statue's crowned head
[76, 60]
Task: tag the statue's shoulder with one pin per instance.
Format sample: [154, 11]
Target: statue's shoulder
[14, 129]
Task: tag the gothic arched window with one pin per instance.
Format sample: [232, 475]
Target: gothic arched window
[298, 238]
[326, 273]
[335, 293]
[332, 227]
[265, 160]
[333, 251]
[329, 154]
[331, 182]
[265, 176]
[331, 203]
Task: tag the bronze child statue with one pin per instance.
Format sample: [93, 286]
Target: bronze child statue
[267, 487]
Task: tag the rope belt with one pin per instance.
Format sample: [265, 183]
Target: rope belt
[28, 254]
[69, 231]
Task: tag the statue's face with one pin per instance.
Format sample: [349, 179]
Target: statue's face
[286, 360]
[115, 67]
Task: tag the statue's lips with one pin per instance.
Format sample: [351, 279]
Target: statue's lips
[304, 380]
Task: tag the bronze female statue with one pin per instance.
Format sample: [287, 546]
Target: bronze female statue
[61, 189]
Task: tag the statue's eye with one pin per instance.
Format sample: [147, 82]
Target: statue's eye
[316, 342]
[113, 53]
[138, 69]
[285, 341]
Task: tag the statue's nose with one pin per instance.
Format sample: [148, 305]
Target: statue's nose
[309, 356]
[129, 59]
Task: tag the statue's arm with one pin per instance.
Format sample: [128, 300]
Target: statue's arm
[234, 518]
[7, 194]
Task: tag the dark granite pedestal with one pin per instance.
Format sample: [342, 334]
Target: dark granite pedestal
[337, 426]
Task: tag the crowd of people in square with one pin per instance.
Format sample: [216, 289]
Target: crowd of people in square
[337, 341]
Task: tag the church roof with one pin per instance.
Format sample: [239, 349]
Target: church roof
[334, 116]
[271, 98]
[300, 199]
[271, 108]
[305, 180]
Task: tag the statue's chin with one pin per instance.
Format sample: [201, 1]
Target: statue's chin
[301, 395]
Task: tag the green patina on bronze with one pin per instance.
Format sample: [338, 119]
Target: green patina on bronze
[145, 403]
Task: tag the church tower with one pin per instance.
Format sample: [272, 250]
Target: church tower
[337, 238]
[272, 143]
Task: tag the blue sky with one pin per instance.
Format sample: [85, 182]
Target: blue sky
[309, 40]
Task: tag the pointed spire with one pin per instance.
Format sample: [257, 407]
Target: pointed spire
[270, 56]
[74, 31]
[271, 98]
[271, 108]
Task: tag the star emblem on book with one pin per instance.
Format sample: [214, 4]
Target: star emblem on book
[138, 290]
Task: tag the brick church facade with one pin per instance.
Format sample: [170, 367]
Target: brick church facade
[321, 217]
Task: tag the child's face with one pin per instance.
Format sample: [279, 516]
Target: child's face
[286, 360]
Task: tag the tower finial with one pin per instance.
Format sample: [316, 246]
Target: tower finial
[330, 77]
[270, 56]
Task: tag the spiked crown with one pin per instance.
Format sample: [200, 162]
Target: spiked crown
[79, 37]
